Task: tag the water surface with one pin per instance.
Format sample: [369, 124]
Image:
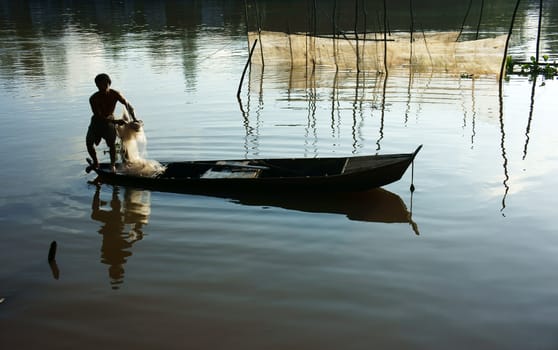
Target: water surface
[466, 261]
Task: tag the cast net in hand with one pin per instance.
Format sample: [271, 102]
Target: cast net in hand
[133, 150]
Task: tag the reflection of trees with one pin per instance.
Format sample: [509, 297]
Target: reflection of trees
[33, 39]
[25, 54]
[427, 15]
[122, 225]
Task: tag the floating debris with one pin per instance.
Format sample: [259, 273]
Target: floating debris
[52, 251]
[52, 260]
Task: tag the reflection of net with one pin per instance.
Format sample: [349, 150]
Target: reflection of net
[436, 51]
[136, 206]
[134, 151]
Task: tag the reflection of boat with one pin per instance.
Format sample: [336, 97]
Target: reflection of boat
[376, 205]
[297, 174]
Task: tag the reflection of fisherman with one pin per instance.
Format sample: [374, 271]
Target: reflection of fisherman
[117, 242]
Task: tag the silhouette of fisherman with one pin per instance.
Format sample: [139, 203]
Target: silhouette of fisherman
[102, 125]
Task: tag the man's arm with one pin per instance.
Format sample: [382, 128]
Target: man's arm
[126, 104]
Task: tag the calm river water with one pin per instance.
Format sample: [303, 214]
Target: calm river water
[468, 261]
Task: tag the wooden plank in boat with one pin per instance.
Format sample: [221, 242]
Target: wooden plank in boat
[244, 165]
[228, 174]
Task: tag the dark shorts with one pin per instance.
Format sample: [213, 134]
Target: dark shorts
[100, 129]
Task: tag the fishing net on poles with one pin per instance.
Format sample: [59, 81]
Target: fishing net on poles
[434, 51]
[379, 35]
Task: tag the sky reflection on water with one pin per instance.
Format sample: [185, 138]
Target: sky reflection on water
[268, 272]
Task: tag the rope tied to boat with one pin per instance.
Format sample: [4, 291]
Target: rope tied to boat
[412, 176]
[412, 188]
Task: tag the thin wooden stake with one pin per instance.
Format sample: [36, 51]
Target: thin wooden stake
[480, 19]
[334, 34]
[412, 176]
[464, 19]
[385, 38]
[507, 44]
[539, 31]
[356, 37]
[247, 27]
[246, 67]
[259, 23]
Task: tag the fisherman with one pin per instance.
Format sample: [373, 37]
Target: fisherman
[102, 126]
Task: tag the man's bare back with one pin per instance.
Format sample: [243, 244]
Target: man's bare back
[103, 103]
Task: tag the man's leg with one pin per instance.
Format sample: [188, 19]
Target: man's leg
[90, 143]
[93, 154]
[110, 137]
[112, 152]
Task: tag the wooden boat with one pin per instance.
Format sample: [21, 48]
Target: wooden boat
[332, 174]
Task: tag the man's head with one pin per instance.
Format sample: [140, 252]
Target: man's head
[102, 81]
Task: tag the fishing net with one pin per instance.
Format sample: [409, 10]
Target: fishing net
[136, 206]
[455, 37]
[133, 150]
[434, 51]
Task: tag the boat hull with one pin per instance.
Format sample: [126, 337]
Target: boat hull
[343, 174]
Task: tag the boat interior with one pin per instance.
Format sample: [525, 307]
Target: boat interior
[255, 168]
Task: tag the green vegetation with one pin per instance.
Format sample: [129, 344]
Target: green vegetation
[532, 68]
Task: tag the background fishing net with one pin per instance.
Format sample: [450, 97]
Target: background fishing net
[379, 35]
[433, 51]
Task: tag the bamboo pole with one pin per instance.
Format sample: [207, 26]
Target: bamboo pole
[365, 14]
[510, 30]
[530, 119]
[411, 30]
[259, 23]
[501, 111]
[480, 19]
[503, 147]
[245, 68]
[533, 87]
[385, 38]
[465, 19]
[334, 34]
[314, 18]
[315, 30]
[247, 27]
[290, 43]
[306, 37]
[356, 37]
[539, 31]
